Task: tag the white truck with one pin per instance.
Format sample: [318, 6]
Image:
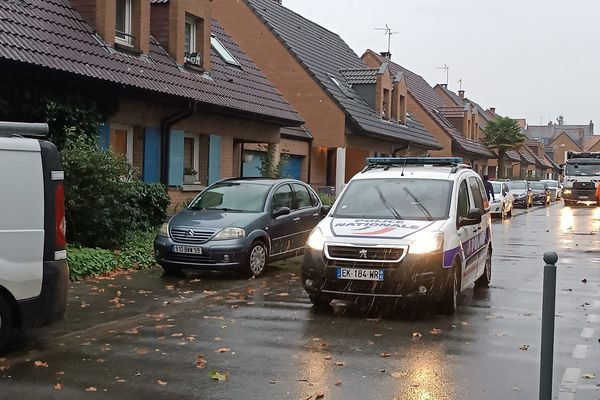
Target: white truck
[34, 276]
[581, 177]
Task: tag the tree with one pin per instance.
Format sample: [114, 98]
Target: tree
[560, 120]
[503, 134]
[269, 168]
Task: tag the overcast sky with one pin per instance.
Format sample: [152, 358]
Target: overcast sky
[528, 58]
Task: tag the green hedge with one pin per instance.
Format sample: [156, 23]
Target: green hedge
[137, 253]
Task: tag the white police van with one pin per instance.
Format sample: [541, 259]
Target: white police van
[402, 227]
[34, 275]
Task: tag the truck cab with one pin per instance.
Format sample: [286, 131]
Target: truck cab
[581, 177]
[34, 274]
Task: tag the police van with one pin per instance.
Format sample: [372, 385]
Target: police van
[34, 275]
[403, 227]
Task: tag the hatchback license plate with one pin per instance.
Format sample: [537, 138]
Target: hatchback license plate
[359, 274]
[187, 250]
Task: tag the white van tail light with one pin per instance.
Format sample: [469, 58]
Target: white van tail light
[59, 217]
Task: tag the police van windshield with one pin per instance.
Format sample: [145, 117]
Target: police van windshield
[403, 199]
[583, 169]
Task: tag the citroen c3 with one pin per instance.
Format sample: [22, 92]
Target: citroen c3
[403, 227]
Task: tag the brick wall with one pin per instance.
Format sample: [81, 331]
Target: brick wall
[563, 143]
[179, 199]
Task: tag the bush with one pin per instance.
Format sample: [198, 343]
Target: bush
[327, 199]
[104, 199]
[136, 253]
[88, 261]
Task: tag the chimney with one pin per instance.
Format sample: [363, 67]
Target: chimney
[386, 54]
[493, 110]
[591, 127]
[444, 85]
[461, 94]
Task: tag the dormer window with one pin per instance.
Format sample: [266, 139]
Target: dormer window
[223, 52]
[123, 23]
[191, 52]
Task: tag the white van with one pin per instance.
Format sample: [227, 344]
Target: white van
[402, 227]
[34, 275]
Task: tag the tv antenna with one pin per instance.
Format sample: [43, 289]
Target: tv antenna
[459, 84]
[445, 68]
[388, 33]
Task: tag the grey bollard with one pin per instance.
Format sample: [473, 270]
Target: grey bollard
[548, 312]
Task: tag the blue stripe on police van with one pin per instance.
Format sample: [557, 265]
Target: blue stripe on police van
[449, 256]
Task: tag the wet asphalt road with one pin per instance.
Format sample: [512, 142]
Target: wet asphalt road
[139, 335]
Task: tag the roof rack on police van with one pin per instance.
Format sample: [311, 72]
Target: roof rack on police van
[386, 162]
[24, 129]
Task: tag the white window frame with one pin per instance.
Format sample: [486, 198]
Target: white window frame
[193, 33]
[196, 154]
[223, 52]
[129, 129]
[127, 40]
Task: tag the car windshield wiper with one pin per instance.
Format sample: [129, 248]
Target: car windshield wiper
[387, 205]
[222, 209]
[421, 206]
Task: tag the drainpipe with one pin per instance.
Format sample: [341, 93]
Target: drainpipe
[310, 147]
[165, 127]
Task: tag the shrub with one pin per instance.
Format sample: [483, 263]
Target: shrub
[105, 201]
[88, 261]
[327, 199]
[137, 252]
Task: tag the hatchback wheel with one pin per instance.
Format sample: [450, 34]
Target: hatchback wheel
[257, 259]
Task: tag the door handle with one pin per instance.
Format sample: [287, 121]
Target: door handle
[297, 219]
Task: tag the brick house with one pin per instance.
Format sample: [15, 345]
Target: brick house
[454, 127]
[189, 97]
[352, 110]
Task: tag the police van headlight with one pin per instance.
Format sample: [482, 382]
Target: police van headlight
[567, 191]
[430, 242]
[316, 240]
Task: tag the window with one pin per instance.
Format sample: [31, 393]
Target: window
[463, 200]
[191, 151]
[123, 22]
[282, 198]
[478, 194]
[192, 56]
[303, 199]
[121, 141]
[223, 52]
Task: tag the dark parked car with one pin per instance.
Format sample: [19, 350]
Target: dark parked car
[240, 224]
[522, 192]
[541, 193]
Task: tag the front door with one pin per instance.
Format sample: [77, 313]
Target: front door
[466, 234]
[282, 229]
[482, 235]
[307, 209]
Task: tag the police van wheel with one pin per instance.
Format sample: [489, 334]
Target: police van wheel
[449, 301]
[6, 322]
[485, 279]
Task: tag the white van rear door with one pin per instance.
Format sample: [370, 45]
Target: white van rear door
[21, 217]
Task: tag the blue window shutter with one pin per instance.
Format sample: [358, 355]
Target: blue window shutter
[176, 158]
[152, 155]
[104, 133]
[214, 159]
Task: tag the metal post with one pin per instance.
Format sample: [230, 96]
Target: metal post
[548, 308]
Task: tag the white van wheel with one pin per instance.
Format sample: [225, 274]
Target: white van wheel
[449, 301]
[6, 321]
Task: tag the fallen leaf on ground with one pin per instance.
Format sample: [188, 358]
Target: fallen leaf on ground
[41, 364]
[435, 331]
[464, 323]
[219, 317]
[166, 326]
[218, 376]
[399, 374]
[319, 396]
[588, 376]
[385, 354]
[339, 363]
[59, 386]
[223, 350]
[416, 335]
[328, 357]
[91, 389]
[60, 373]
[162, 383]
[525, 347]
[338, 383]
[177, 335]
[272, 382]
[132, 331]
[373, 319]
[141, 351]
[200, 361]
[284, 294]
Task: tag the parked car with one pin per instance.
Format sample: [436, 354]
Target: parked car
[403, 227]
[523, 196]
[242, 224]
[541, 193]
[503, 202]
[34, 276]
[555, 189]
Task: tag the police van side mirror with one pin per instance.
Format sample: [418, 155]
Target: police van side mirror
[472, 218]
